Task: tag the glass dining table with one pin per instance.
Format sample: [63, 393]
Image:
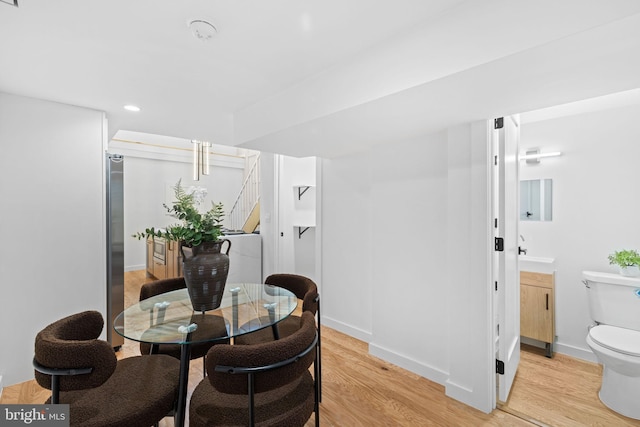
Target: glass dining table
[169, 319]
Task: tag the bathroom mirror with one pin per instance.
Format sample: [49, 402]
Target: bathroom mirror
[535, 200]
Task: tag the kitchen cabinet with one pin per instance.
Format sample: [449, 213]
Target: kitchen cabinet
[245, 259]
[149, 257]
[537, 307]
[174, 259]
[159, 269]
[164, 263]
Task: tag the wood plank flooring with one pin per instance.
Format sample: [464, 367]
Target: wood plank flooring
[361, 390]
[561, 391]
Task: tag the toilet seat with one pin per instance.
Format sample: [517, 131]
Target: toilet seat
[621, 340]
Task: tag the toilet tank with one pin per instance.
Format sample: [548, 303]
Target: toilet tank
[613, 299]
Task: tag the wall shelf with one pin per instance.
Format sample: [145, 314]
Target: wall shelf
[304, 215]
[302, 228]
[301, 231]
[302, 189]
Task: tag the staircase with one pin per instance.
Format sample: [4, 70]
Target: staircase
[245, 213]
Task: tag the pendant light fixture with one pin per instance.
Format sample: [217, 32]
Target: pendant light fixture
[200, 158]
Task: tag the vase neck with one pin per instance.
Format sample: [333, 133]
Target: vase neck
[207, 247]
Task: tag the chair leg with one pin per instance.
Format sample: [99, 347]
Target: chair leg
[316, 386]
[55, 389]
[250, 391]
[319, 354]
[204, 366]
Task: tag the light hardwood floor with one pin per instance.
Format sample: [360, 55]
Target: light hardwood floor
[361, 390]
[561, 391]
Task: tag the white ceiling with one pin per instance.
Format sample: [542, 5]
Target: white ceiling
[325, 78]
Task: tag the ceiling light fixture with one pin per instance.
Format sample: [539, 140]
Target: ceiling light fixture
[134, 108]
[534, 155]
[202, 30]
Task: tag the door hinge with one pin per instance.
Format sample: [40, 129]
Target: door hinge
[498, 123]
[495, 223]
[495, 160]
[499, 367]
[496, 285]
[499, 244]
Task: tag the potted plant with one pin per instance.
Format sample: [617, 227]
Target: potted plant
[628, 261]
[205, 266]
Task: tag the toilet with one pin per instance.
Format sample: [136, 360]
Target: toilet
[614, 305]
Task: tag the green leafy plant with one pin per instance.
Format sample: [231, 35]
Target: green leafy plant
[625, 258]
[195, 227]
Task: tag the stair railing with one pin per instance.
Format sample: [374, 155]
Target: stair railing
[248, 197]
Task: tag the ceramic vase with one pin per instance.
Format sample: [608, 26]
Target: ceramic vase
[631, 271]
[205, 269]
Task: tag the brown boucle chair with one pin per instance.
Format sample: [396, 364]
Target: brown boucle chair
[266, 384]
[101, 391]
[208, 325]
[306, 290]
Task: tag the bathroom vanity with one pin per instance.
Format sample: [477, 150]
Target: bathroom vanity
[537, 306]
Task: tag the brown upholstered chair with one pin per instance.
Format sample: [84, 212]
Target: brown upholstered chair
[82, 371]
[306, 290]
[266, 384]
[209, 325]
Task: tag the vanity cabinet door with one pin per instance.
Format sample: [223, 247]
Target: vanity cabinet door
[536, 313]
[537, 307]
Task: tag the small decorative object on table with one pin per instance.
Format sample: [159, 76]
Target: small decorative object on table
[205, 266]
[628, 261]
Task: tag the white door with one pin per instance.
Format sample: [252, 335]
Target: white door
[506, 138]
[296, 215]
[285, 258]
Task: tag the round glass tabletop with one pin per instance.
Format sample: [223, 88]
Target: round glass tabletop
[169, 317]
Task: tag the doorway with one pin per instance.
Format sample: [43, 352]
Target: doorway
[296, 201]
[594, 160]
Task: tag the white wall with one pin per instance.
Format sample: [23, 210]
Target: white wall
[409, 219]
[595, 205]
[148, 183]
[347, 235]
[52, 260]
[396, 221]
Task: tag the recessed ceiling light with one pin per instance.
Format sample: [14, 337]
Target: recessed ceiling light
[132, 108]
[202, 30]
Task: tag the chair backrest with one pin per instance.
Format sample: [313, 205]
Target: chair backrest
[71, 343]
[303, 287]
[158, 287]
[226, 363]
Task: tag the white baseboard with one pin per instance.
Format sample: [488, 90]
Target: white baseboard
[569, 350]
[135, 267]
[352, 331]
[429, 372]
[577, 352]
